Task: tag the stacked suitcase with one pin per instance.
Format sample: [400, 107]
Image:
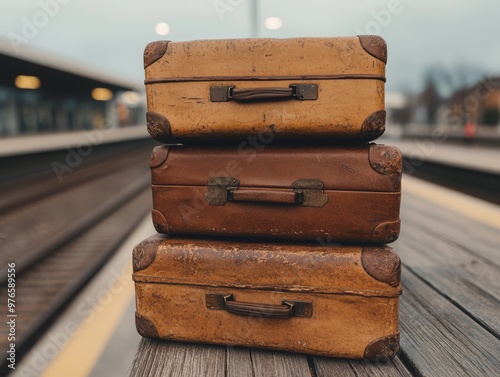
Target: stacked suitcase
[275, 210]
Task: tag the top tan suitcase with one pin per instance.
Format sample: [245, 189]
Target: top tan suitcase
[288, 88]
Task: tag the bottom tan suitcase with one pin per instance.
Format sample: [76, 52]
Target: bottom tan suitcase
[324, 300]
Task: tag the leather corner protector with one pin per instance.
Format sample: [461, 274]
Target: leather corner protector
[374, 125]
[145, 327]
[383, 348]
[158, 127]
[383, 264]
[160, 222]
[144, 254]
[154, 51]
[385, 159]
[386, 232]
[375, 46]
[158, 156]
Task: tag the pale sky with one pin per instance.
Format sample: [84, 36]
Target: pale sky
[111, 34]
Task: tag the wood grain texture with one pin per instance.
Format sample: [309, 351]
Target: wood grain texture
[477, 238]
[239, 362]
[328, 367]
[438, 339]
[267, 363]
[471, 282]
[158, 359]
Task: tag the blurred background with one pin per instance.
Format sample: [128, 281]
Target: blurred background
[74, 183]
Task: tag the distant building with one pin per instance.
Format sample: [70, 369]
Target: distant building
[40, 93]
[479, 104]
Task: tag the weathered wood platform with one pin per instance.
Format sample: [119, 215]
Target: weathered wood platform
[449, 310]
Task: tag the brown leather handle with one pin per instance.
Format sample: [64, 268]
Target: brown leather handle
[257, 310]
[259, 94]
[268, 196]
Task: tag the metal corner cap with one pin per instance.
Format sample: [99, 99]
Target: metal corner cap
[143, 255]
[374, 125]
[385, 159]
[375, 46]
[383, 348]
[158, 127]
[145, 327]
[159, 155]
[154, 51]
[383, 264]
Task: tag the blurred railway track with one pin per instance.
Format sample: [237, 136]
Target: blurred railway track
[59, 234]
[480, 184]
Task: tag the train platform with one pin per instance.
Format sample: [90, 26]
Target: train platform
[470, 156]
[30, 144]
[448, 310]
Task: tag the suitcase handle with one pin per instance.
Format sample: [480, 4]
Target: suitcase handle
[250, 309]
[268, 196]
[306, 193]
[287, 309]
[294, 91]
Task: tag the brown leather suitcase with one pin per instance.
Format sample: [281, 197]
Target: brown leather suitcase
[292, 88]
[338, 194]
[324, 300]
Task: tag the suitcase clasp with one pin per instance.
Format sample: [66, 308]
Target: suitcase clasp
[218, 187]
[311, 192]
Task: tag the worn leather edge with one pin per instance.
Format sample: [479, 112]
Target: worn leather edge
[375, 46]
[160, 222]
[145, 327]
[158, 127]
[383, 348]
[373, 126]
[382, 263]
[154, 51]
[144, 254]
[159, 155]
[386, 232]
[385, 159]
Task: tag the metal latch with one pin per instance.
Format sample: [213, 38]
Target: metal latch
[218, 187]
[311, 191]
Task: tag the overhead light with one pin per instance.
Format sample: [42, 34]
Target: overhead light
[27, 82]
[162, 28]
[131, 98]
[273, 23]
[101, 94]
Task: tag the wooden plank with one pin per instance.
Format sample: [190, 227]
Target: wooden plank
[276, 364]
[479, 238]
[156, 358]
[438, 339]
[470, 282]
[239, 362]
[328, 367]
